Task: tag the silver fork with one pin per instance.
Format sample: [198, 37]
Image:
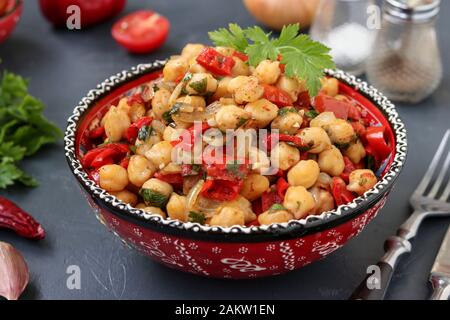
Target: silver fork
[432, 203]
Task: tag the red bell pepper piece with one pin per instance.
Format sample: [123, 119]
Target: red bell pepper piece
[132, 132]
[349, 168]
[303, 101]
[282, 186]
[125, 162]
[108, 154]
[103, 158]
[241, 56]
[221, 190]
[96, 133]
[173, 178]
[376, 142]
[359, 128]
[277, 96]
[269, 198]
[215, 62]
[340, 193]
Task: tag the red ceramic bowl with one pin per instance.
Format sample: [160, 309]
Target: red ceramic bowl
[9, 21]
[236, 252]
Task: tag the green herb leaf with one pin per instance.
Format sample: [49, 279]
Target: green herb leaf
[303, 57]
[242, 121]
[284, 111]
[153, 198]
[311, 114]
[277, 207]
[199, 86]
[23, 129]
[145, 132]
[196, 217]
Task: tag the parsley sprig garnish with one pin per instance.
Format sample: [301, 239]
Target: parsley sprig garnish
[303, 57]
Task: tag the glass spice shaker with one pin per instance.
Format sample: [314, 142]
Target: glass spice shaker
[343, 26]
[406, 64]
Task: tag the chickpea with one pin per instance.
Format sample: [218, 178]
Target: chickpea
[331, 161]
[126, 197]
[140, 169]
[176, 207]
[317, 138]
[160, 154]
[228, 217]
[289, 122]
[197, 102]
[123, 105]
[268, 71]
[160, 103]
[340, 132]
[244, 205]
[299, 201]
[305, 173]
[143, 146]
[152, 210]
[263, 112]
[361, 180]
[330, 86]
[171, 134]
[324, 200]
[175, 68]
[159, 186]
[116, 123]
[270, 217]
[226, 51]
[322, 120]
[292, 86]
[113, 177]
[191, 50]
[195, 67]
[245, 89]
[254, 186]
[231, 117]
[222, 89]
[240, 68]
[355, 152]
[284, 156]
[201, 83]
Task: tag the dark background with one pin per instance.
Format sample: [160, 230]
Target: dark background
[63, 65]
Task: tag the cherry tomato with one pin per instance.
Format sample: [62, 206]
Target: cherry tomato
[142, 31]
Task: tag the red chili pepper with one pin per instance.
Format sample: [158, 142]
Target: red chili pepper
[91, 12]
[215, 62]
[241, 56]
[221, 190]
[340, 193]
[349, 168]
[96, 133]
[282, 186]
[377, 143]
[269, 198]
[95, 175]
[173, 178]
[135, 99]
[133, 130]
[277, 96]
[14, 218]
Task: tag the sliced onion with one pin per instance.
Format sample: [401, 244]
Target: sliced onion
[207, 206]
[192, 196]
[324, 181]
[212, 109]
[176, 93]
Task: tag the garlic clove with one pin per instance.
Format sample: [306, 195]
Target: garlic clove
[14, 274]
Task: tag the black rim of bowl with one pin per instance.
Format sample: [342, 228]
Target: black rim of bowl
[289, 230]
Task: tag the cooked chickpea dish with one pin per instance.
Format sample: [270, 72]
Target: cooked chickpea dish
[326, 151]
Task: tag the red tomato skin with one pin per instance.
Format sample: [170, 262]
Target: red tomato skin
[92, 11]
[324, 103]
[217, 63]
[155, 39]
[277, 96]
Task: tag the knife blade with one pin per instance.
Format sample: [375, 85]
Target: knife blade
[440, 273]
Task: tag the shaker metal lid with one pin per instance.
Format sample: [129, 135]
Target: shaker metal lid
[412, 10]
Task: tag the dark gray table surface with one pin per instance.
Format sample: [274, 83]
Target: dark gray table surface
[63, 65]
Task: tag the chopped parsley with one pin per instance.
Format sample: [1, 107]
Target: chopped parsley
[311, 114]
[284, 111]
[199, 86]
[196, 217]
[276, 207]
[153, 198]
[145, 132]
[242, 121]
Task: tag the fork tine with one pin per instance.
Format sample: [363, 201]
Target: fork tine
[440, 178]
[429, 174]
